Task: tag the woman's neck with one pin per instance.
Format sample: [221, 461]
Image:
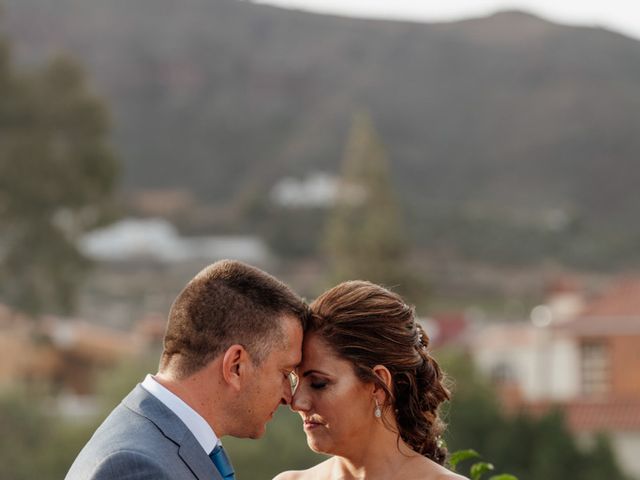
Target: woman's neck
[379, 458]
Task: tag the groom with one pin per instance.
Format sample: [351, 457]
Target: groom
[233, 339]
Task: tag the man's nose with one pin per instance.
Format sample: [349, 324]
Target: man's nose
[287, 396]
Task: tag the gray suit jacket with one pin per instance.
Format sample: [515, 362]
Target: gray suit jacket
[142, 439]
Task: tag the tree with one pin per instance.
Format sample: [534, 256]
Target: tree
[365, 235]
[57, 174]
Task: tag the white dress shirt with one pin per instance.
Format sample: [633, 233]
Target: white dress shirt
[195, 423]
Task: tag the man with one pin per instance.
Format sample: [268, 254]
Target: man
[233, 339]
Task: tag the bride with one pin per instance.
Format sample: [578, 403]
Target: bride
[369, 391]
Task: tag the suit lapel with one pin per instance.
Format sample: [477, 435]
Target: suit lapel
[190, 451]
[200, 464]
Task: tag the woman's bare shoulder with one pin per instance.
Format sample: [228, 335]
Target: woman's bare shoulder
[443, 473]
[319, 472]
[448, 475]
[290, 475]
[434, 471]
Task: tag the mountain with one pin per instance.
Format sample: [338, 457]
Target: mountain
[509, 117]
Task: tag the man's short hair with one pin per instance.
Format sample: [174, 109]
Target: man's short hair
[227, 303]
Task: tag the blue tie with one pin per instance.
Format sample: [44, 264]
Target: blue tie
[221, 461]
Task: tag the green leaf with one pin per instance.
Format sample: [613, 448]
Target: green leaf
[479, 469]
[503, 476]
[460, 456]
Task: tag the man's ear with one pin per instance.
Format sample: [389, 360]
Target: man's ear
[235, 366]
[383, 374]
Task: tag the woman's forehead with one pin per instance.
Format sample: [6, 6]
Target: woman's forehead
[315, 351]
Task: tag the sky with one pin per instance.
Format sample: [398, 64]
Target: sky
[622, 16]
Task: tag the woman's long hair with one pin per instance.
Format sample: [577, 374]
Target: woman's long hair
[368, 325]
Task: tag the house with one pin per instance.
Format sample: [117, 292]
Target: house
[607, 337]
[577, 353]
[61, 356]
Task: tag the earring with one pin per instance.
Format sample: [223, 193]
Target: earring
[377, 412]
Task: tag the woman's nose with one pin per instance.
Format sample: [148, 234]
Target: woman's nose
[300, 402]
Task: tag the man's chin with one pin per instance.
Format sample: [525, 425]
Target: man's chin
[256, 434]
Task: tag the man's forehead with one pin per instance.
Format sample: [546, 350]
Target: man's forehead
[291, 328]
[291, 343]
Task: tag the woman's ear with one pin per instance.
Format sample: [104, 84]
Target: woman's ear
[234, 366]
[383, 374]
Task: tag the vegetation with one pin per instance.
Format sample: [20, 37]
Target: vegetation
[33, 444]
[487, 162]
[365, 237]
[529, 447]
[472, 173]
[36, 443]
[56, 176]
[477, 469]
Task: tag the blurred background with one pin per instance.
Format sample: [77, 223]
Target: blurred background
[482, 162]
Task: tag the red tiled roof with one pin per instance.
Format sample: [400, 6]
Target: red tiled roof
[621, 300]
[603, 416]
[616, 311]
[445, 328]
[594, 416]
[586, 326]
[563, 284]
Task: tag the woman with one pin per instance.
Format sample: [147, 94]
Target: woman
[369, 391]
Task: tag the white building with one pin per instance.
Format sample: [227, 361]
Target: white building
[156, 239]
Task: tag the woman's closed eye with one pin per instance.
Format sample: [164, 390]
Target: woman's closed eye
[316, 381]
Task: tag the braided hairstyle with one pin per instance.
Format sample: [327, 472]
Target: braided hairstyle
[368, 325]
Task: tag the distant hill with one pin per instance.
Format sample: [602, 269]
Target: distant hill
[509, 117]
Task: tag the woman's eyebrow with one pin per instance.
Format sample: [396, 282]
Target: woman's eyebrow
[309, 372]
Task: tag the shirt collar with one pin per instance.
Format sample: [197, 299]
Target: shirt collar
[197, 425]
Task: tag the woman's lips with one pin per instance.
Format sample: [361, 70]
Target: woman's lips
[310, 425]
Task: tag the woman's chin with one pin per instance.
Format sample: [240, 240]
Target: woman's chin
[316, 446]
